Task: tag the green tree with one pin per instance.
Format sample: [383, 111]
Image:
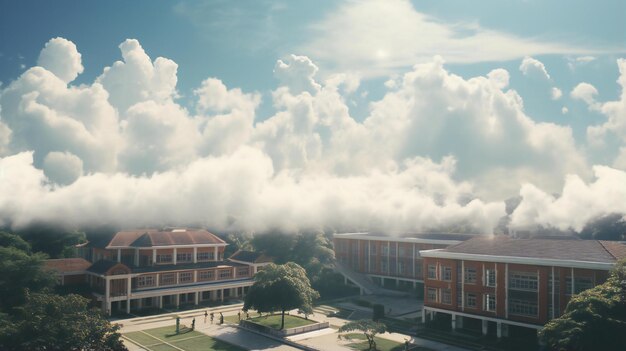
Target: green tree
[594, 319]
[19, 273]
[56, 242]
[53, 322]
[368, 327]
[280, 287]
[12, 240]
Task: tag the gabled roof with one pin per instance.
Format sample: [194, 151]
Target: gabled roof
[103, 266]
[539, 248]
[67, 265]
[155, 237]
[250, 257]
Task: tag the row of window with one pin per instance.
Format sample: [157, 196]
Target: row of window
[187, 277]
[444, 296]
[185, 257]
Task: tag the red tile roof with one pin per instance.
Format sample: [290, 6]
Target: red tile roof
[250, 257]
[66, 265]
[155, 237]
[616, 248]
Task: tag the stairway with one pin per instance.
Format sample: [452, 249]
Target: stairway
[363, 281]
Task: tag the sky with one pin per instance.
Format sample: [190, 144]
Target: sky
[337, 115]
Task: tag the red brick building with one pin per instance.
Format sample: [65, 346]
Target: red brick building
[505, 282]
[389, 258]
[155, 268]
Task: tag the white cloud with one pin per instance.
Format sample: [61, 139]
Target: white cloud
[62, 167]
[533, 67]
[585, 92]
[61, 57]
[376, 38]
[296, 73]
[137, 78]
[556, 93]
[564, 110]
[579, 202]
[499, 77]
[615, 111]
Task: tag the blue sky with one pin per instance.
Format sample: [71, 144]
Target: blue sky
[365, 71]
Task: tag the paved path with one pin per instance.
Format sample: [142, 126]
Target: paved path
[322, 340]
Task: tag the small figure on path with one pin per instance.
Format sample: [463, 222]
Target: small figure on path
[221, 318]
[247, 315]
[205, 315]
[193, 324]
[212, 316]
[239, 315]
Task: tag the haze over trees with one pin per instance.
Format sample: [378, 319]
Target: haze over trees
[280, 288]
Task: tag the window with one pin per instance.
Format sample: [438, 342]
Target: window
[205, 275]
[523, 281]
[400, 268]
[164, 258]
[580, 285]
[168, 278]
[459, 298]
[383, 266]
[470, 276]
[373, 249]
[145, 281]
[432, 271]
[446, 273]
[490, 277]
[446, 296]
[523, 307]
[432, 294]
[418, 268]
[183, 257]
[185, 277]
[470, 300]
[226, 273]
[490, 302]
[243, 271]
[385, 250]
[205, 256]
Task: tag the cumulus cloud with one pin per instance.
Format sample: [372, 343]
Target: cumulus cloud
[556, 93]
[579, 202]
[564, 110]
[534, 68]
[585, 92]
[123, 150]
[61, 57]
[615, 111]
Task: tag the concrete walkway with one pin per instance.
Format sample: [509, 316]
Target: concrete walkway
[325, 339]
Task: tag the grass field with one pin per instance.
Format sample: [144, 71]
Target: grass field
[273, 321]
[164, 339]
[381, 344]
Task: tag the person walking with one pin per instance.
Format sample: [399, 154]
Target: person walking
[205, 315]
[212, 316]
[221, 318]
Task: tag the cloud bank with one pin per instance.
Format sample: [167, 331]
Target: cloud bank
[436, 152]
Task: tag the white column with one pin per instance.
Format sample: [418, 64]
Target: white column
[154, 252]
[553, 307]
[197, 298]
[195, 255]
[107, 291]
[485, 326]
[119, 255]
[128, 290]
[136, 257]
[174, 257]
[423, 315]
[128, 306]
[177, 300]
[453, 322]
[222, 295]
[216, 257]
[499, 330]
[160, 301]
[195, 276]
[234, 272]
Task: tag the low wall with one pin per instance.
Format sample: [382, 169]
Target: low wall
[285, 332]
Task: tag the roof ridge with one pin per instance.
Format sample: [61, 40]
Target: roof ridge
[601, 242]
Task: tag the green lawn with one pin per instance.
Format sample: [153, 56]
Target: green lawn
[164, 339]
[381, 344]
[273, 321]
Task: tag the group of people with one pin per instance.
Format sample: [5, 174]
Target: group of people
[212, 315]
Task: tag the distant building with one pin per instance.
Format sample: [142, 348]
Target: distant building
[154, 268]
[390, 258]
[497, 282]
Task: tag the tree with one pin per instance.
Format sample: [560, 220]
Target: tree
[594, 319]
[280, 287]
[367, 327]
[53, 322]
[19, 273]
[12, 240]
